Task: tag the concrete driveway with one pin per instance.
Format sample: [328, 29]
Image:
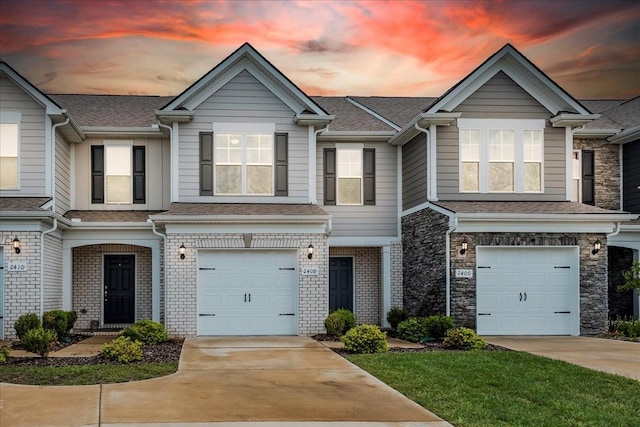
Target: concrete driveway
[614, 357]
[271, 380]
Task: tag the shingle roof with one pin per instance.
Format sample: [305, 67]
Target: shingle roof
[400, 110]
[112, 110]
[348, 116]
[521, 207]
[22, 204]
[110, 216]
[600, 105]
[624, 115]
[214, 209]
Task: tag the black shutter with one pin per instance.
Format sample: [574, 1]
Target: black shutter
[588, 176]
[206, 163]
[281, 164]
[369, 175]
[97, 174]
[329, 176]
[139, 193]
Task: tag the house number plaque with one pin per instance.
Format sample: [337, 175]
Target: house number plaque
[17, 266]
[464, 273]
[310, 271]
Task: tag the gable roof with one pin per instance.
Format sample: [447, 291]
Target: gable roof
[49, 104]
[249, 59]
[348, 117]
[399, 110]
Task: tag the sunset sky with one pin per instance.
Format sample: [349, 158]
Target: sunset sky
[400, 48]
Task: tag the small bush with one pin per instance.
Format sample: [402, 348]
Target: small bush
[123, 350]
[348, 317]
[463, 339]
[629, 328]
[437, 326]
[365, 339]
[39, 341]
[412, 329]
[58, 320]
[25, 323]
[72, 316]
[397, 315]
[334, 324]
[147, 332]
[5, 350]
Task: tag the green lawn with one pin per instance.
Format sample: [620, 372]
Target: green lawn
[508, 389]
[83, 375]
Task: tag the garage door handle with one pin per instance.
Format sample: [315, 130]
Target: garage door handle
[525, 296]
[207, 268]
[287, 314]
[520, 296]
[483, 266]
[562, 266]
[484, 314]
[206, 315]
[562, 312]
[287, 268]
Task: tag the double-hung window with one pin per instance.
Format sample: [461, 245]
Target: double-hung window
[9, 143]
[501, 156]
[349, 175]
[118, 173]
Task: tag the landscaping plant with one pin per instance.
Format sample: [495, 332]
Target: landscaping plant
[397, 315]
[463, 339]
[365, 339]
[631, 278]
[123, 350]
[39, 341]
[437, 326]
[147, 332]
[5, 350]
[348, 316]
[412, 329]
[25, 323]
[56, 320]
[334, 324]
[629, 328]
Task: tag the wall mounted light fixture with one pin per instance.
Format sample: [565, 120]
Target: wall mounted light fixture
[16, 245]
[596, 247]
[310, 251]
[464, 247]
[183, 250]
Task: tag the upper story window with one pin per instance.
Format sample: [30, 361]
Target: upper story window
[243, 160]
[349, 175]
[9, 143]
[118, 173]
[501, 156]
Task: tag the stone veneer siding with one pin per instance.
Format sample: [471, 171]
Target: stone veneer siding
[593, 273]
[620, 302]
[182, 276]
[423, 258]
[607, 171]
[88, 270]
[396, 275]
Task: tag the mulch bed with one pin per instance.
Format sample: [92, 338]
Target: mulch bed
[59, 345]
[161, 353]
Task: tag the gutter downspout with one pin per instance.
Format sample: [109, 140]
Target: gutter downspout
[170, 129]
[313, 146]
[164, 241]
[51, 230]
[428, 134]
[616, 232]
[53, 156]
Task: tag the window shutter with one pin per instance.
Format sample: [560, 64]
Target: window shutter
[139, 193]
[206, 163]
[369, 175]
[588, 176]
[281, 164]
[329, 176]
[97, 174]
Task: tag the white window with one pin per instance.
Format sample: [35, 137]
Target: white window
[349, 182]
[577, 174]
[501, 156]
[118, 173]
[243, 163]
[9, 136]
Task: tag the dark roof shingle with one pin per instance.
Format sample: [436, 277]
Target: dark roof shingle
[214, 209]
[532, 208]
[22, 204]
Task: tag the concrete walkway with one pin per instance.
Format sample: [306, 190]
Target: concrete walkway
[612, 356]
[265, 380]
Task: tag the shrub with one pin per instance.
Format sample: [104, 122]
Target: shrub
[5, 350]
[397, 315]
[25, 323]
[57, 320]
[123, 350]
[39, 341]
[437, 326]
[348, 317]
[72, 316]
[629, 328]
[463, 339]
[147, 332]
[412, 329]
[334, 324]
[365, 339]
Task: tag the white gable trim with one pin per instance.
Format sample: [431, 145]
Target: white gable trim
[50, 106]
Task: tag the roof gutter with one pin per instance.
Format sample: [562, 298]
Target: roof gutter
[356, 136]
[241, 219]
[422, 120]
[625, 136]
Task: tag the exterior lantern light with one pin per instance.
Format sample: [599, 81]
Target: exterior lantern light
[464, 247]
[16, 245]
[596, 247]
[310, 251]
[183, 250]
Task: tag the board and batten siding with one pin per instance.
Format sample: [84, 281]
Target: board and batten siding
[32, 149]
[379, 220]
[414, 172]
[243, 100]
[63, 175]
[157, 153]
[501, 98]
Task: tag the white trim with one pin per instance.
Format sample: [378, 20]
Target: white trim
[243, 128]
[174, 170]
[50, 106]
[341, 147]
[524, 226]
[207, 228]
[14, 118]
[312, 165]
[72, 176]
[432, 160]
[385, 293]
[428, 205]
[399, 187]
[357, 241]
[107, 143]
[568, 141]
[345, 136]
[10, 117]
[67, 278]
[579, 195]
[372, 113]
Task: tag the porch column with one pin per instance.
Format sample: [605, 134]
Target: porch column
[67, 278]
[155, 281]
[386, 284]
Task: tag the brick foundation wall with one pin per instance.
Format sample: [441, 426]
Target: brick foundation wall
[620, 302]
[607, 171]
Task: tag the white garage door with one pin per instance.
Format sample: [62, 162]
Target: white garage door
[247, 292]
[527, 291]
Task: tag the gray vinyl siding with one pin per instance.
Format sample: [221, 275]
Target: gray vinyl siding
[32, 150]
[502, 98]
[414, 172]
[376, 220]
[63, 175]
[243, 100]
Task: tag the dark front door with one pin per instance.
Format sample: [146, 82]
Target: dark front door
[340, 283]
[119, 289]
